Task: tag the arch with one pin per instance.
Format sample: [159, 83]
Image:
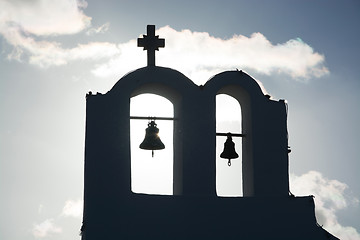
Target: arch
[180, 91]
[228, 119]
[151, 174]
[248, 93]
[244, 101]
[265, 159]
[175, 98]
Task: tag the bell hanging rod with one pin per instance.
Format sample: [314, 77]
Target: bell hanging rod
[231, 134]
[153, 118]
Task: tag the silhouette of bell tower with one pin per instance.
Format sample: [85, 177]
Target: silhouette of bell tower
[194, 211]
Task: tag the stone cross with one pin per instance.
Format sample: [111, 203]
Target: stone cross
[150, 42]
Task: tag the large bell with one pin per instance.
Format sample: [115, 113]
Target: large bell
[152, 140]
[229, 150]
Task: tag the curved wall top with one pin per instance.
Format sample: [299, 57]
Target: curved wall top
[138, 82]
[238, 78]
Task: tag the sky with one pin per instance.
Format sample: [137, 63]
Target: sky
[53, 52]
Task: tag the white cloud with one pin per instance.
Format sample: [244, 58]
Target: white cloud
[24, 21]
[199, 56]
[73, 209]
[45, 229]
[48, 227]
[42, 17]
[103, 28]
[130, 58]
[45, 53]
[329, 198]
[198, 51]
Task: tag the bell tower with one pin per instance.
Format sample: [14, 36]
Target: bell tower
[112, 210]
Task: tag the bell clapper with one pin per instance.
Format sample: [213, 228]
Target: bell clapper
[229, 163]
[152, 153]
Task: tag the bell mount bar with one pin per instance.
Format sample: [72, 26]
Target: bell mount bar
[230, 134]
[152, 118]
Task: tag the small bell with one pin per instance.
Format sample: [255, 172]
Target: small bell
[229, 150]
[152, 140]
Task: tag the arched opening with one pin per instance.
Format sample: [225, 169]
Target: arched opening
[228, 119]
[151, 175]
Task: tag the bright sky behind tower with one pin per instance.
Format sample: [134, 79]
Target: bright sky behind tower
[54, 52]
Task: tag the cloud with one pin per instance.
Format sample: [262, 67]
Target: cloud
[49, 227]
[103, 28]
[26, 24]
[200, 55]
[45, 53]
[198, 51]
[24, 21]
[42, 17]
[45, 229]
[329, 198]
[73, 209]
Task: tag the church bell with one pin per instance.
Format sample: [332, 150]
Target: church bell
[152, 140]
[229, 150]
